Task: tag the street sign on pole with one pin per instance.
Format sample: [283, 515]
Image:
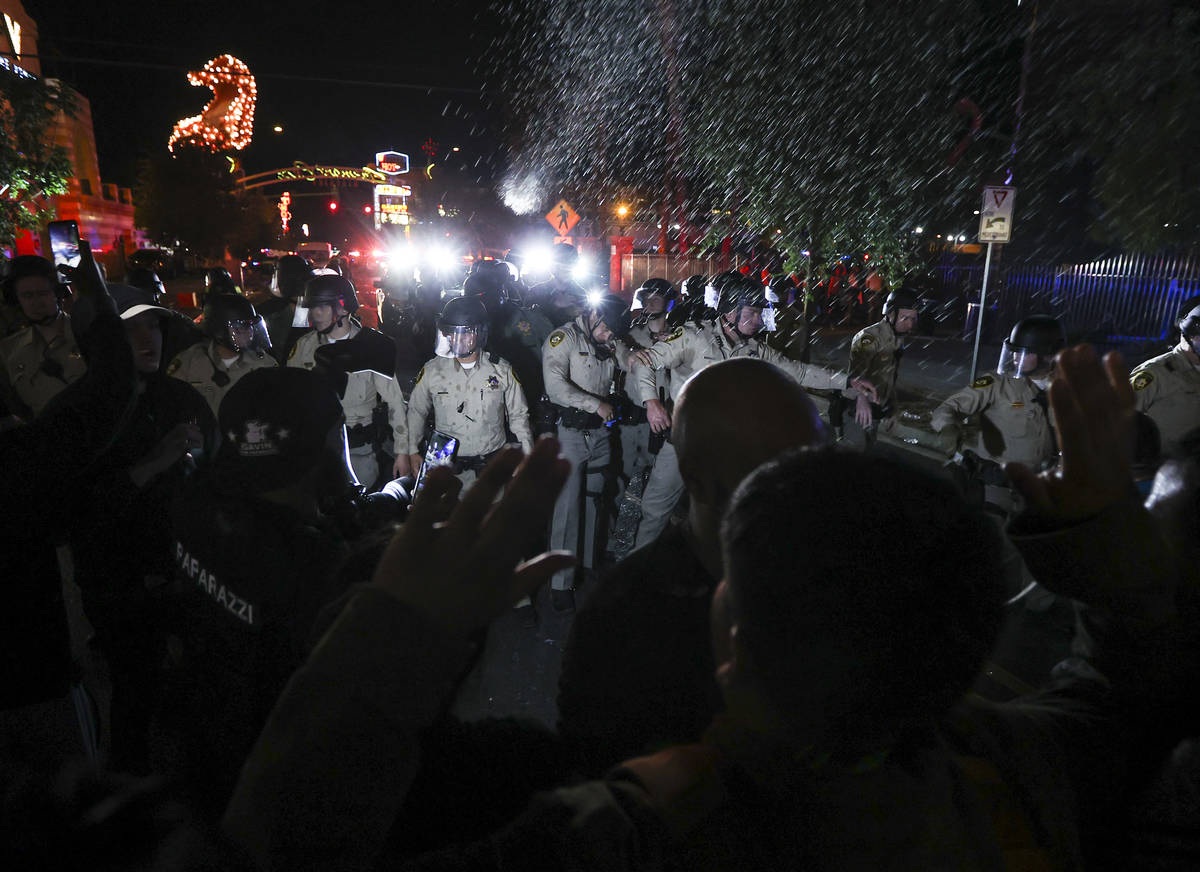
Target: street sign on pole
[996, 216]
[562, 218]
[995, 225]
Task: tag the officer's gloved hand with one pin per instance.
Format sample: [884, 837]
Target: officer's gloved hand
[91, 293]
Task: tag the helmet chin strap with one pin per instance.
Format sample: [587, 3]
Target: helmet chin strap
[733, 325]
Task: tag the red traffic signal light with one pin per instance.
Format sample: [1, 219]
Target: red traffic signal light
[366, 210]
[333, 205]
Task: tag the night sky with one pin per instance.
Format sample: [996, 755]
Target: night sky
[364, 41]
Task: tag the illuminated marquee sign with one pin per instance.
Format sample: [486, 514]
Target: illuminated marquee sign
[302, 172]
[394, 191]
[14, 39]
[227, 122]
[394, 208]
[392, 162]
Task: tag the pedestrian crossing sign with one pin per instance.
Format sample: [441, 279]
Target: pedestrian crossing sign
[562, 218]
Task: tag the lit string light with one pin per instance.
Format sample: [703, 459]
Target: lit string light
[227, 122]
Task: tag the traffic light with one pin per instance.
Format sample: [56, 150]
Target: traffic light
[367, 210]
[333, 205]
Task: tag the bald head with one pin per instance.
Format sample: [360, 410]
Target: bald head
[734, 416]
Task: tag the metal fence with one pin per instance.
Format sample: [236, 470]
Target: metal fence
[636, 268]
[1123, 300]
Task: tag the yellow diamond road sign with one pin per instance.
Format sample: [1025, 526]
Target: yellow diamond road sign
[562, 217]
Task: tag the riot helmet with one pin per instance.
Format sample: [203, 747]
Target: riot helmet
[693, 286]
[903, 299]
[462, 328]
[330, 290]
[655, 287]
[34, 286]
[291, 276]
[230, 320]
[739, 293]
[487, 286]
[1030, 348]
[563, 258]
[217, 280]
[613, 313]
[148, 280]
[1189, 323]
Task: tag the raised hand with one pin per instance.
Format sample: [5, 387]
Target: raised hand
[465, 571]
[1093, 417]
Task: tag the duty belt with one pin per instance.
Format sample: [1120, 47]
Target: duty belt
[578, 419]
[473, 463]
[360, 435]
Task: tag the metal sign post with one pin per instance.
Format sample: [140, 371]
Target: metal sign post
[995, 225]
[987, 266]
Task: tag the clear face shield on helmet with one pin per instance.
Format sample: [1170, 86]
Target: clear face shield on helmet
[457, 341]
[249, 335]
[1016, 362]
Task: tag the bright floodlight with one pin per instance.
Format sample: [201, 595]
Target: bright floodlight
[401, 259]
[538, 261]
[581, 270]
[594, 297]
[443, 260]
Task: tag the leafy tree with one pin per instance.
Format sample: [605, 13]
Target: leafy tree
[32, 167]
[192, 197]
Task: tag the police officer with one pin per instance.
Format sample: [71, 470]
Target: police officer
[516, 333]
[791, 334]
[652, 305]
[1011, 403]
[875, 354]
[578, 363]
[237, 344]
[411, 324]
[331, 302]
[43, 358]
[254, 562]
[560, 298]
[1167, 387]
[743, 312]
[288, 281]
[474, 397]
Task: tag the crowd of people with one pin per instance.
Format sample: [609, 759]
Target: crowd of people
[252, 556]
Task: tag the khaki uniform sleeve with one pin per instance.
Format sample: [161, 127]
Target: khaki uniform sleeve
[1145, 388]
[964, 403]
[518, 411]
[390, 393]
[556, 370]
[809, 375]
[668, 354]
[419, 403]
[864, 353]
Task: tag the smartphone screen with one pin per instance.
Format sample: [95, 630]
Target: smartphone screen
[64, 242]
[441, 451]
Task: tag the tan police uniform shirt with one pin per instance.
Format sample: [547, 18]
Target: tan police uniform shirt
[1014, 427]
[690, 349]
[24, 383]
[197, 364]
[575, 377]
[639, 337]
[1167, 388]
[471, 404]
[364, 390]
[873, 358]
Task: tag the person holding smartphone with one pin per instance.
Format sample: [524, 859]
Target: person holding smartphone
[36, 363]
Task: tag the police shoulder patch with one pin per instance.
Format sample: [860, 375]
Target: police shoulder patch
[1141, 380]
[420, 375]
[982, 382]
[865, 341]
[556, 338]
[173, 367]
[675, 334]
